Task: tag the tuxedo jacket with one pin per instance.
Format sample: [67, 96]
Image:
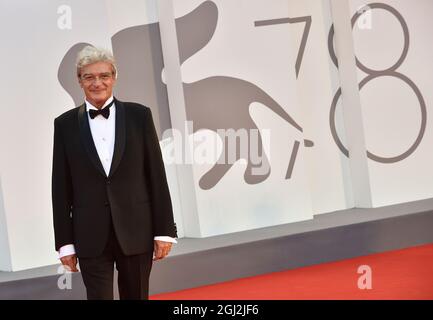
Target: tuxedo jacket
[134, 198]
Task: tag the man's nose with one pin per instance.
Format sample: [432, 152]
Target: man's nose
[97, 83]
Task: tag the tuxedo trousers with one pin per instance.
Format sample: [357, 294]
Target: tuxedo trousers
[133, 273]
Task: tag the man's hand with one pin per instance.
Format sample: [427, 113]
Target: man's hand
[161, 249]
[70, 262]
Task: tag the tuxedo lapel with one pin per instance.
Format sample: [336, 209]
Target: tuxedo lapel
[120, 136]
[87, 139]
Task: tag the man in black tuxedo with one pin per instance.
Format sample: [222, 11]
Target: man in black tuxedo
[111, 202]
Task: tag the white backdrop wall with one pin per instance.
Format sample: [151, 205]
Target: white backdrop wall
[328, 168]
[242, 64]
[242, 73]
[397, 129]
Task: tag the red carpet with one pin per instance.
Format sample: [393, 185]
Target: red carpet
[400, 274]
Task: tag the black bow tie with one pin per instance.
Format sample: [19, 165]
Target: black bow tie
[105, 112]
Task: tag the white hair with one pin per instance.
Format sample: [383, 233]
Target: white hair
[90, 54]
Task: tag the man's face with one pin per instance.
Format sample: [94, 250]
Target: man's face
[97, 81]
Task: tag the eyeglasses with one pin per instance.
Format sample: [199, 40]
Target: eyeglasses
[90, 78]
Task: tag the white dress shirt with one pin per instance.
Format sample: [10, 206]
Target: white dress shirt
[103, 133]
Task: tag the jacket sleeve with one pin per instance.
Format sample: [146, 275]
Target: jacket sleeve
[61, 189]
[162, 211]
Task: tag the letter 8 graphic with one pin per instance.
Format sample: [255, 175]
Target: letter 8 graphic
[373, 74]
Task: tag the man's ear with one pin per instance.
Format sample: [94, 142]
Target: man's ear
[114, 79]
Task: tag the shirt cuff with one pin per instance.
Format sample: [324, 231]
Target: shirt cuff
[69, 249]
[166, 239]
[66, 250]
